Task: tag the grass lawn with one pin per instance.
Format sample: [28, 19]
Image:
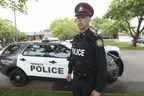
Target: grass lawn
[123, 45]
[46, 92]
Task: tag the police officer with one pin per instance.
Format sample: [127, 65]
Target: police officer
[86, 61]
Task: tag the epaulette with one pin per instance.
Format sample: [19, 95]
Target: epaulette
[98, 38]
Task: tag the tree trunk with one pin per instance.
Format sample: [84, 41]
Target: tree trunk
[134, 42]
[115, 36]
[135, 39]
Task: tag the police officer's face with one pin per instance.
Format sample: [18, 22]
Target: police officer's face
[83, 22]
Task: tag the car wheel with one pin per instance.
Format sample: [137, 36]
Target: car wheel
[119, 62]
[121, 66]
[18, 77]
[112, 69]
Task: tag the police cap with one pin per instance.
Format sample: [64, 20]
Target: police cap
[84, 9]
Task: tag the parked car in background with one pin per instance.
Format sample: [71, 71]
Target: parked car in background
[140, 40]
[49, 39]
[21, 61]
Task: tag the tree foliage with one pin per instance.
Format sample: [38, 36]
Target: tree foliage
[8, 32]
[108, 27]
[63, 28]
[19, 5]
[127, 10]
[22, 36]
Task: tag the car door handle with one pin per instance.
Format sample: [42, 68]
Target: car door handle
[23, 59]
[53, 62]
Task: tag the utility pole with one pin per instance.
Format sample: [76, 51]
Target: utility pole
[15, 20]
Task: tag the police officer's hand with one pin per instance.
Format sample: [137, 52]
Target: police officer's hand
[68, 77]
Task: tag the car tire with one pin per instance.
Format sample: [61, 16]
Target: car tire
[18, 78]
[112, 70]
[119, 63]
[121, 66]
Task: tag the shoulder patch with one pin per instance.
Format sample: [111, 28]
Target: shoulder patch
[99, 42]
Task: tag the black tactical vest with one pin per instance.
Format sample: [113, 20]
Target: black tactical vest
[83, 52]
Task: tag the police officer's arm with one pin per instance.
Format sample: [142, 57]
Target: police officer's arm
[70, 65]
[101, 60]
[70, 68]
[71, 58]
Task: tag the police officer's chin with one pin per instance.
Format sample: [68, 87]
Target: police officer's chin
[83, 28]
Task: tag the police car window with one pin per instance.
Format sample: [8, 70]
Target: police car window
[52, 50]
[35, 50]
[59, 51]
[22, 46]
[12, 50]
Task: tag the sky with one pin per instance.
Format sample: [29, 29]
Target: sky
[42, 13]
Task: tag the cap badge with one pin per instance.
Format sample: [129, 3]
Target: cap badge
[81, 9]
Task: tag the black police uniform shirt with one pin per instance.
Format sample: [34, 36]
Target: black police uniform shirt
[83, 58]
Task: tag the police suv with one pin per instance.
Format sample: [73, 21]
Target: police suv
[20, 61]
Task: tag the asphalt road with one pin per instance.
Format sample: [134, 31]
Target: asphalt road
[134, 66]
[131, 80]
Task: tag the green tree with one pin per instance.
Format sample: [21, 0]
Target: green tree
[126, 10]
[7, 31]
[96, 22]
[63, 28]
[19, 5]
[22, 36]
[108, 27]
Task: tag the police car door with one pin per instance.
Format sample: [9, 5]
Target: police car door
[44, 60]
